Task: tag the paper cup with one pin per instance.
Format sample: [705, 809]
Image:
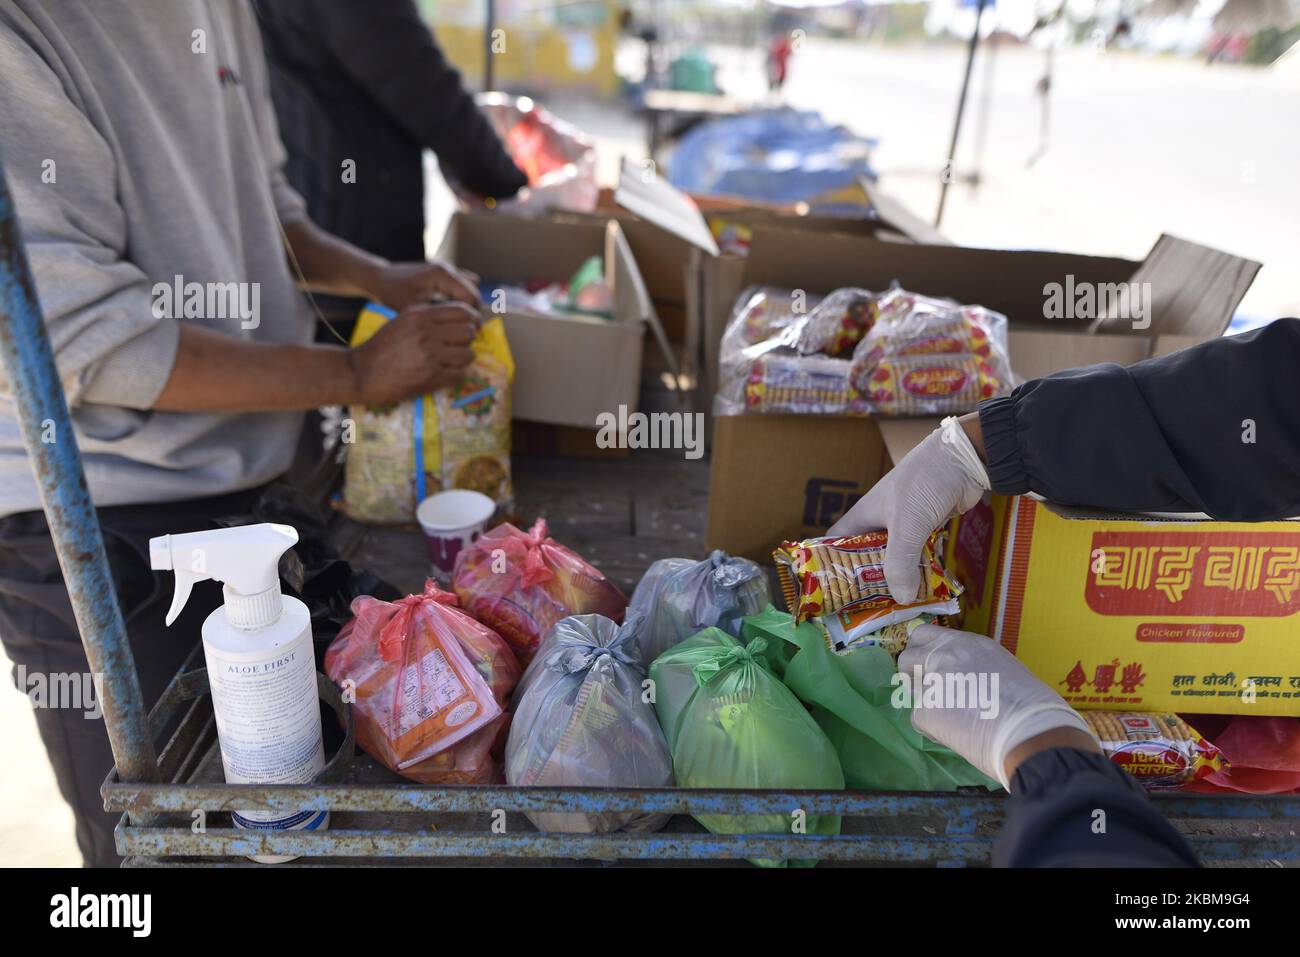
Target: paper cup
[450, 521]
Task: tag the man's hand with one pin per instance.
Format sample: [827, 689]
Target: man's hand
[398, 285]
[1023, 716]
[938, 479]
[426, 348]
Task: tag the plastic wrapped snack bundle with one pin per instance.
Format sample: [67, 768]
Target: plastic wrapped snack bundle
[581, 721]
[430, 686]
[926, 356]
[838, 323]
[521, 583]
[763, 311]
[843, 578]
[808, 385]
[679, 596]
[1160, 750]
[731, 723]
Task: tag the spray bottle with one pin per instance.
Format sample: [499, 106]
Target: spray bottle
[261, 664]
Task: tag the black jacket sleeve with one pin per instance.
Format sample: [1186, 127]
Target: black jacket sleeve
[1072, 808]
[391, 53]
[1214, 428]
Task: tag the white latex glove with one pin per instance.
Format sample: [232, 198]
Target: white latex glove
[1022, 707]
[940, 478]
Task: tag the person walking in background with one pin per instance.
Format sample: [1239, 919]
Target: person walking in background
[779, 49]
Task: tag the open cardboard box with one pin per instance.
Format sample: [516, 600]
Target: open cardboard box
[568, 369]
[1116, 612]
[1134, 613]
[692, 283]
[779, 477]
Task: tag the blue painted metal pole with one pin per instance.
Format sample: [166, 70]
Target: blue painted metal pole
[42, 412]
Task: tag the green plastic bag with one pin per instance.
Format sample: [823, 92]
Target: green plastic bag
[849, 696]
[731, 723]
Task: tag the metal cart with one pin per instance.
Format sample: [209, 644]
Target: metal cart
[175, 804]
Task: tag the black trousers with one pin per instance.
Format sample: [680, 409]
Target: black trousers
[40, 637]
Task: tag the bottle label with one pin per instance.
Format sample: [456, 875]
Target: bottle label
[268, 720]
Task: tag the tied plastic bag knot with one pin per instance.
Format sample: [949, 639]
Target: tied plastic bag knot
[526, 554]
[578, 651]
[435, 594]
[392, 637]
[706, 671]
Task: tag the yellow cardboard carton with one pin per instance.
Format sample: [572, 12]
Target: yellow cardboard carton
[1134, 614]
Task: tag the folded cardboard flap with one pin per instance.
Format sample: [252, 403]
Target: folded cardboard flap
[644, 193]
[1009, 281]
[1194, 289]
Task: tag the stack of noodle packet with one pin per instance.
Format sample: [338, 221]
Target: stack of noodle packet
[839, 581]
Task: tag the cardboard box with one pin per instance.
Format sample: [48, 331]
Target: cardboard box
[692, 284]
[568, 369]
[776, 477]
[1127, 613]
[763, 472]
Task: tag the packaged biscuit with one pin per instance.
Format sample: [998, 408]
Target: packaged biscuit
[838, 323]
[763, 311]
[808, 385]
[926, 356]
[846, 574]
[1161, 750]
[926, 384]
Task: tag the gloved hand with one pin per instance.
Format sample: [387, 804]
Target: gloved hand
[984, 733]
[940, 478]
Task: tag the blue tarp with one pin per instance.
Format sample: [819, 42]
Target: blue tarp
[779, 156]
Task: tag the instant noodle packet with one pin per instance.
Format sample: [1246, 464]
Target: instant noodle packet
[826, 576]
[1161, 750]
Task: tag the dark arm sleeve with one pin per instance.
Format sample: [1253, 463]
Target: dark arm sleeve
[1214, 428]
[391, 53]
[1072, 808]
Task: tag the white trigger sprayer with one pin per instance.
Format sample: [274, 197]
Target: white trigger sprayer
[260, 659]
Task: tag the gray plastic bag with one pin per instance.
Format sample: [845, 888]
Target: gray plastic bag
[581, 721]
[680, 596]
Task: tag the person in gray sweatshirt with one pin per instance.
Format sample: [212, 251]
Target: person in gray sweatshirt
[140, 144]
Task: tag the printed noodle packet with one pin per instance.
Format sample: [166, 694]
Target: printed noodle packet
[1160, 750]
[431, 685]
[844, 576]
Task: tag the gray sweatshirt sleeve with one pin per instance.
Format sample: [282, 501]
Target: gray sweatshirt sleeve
[109, 346]
[289, 206]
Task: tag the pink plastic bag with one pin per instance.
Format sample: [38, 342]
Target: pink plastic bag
[521, 583]
[429, 686]
[1263, 754]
